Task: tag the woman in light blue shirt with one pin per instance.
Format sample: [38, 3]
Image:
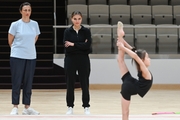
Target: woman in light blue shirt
[22, 36]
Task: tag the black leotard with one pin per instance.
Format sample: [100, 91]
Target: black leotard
[132, 86]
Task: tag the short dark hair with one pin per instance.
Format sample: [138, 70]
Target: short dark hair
[76, 13]
[24, 4]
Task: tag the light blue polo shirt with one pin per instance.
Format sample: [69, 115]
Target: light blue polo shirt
[23, 45]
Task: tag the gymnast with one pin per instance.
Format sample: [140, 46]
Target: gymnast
[130, 85]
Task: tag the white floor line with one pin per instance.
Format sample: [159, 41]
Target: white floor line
[89, 117]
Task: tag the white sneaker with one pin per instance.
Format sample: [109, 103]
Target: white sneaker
[69, 111]
[30, 111]
[14, 111]
[87, 111]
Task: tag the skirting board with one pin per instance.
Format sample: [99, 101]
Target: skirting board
[154, 86]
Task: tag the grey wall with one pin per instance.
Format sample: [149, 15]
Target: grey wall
[106, 71]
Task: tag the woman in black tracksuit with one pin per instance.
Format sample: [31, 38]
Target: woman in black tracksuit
[77, 42]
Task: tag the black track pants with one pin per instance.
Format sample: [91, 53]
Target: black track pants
[79, 64]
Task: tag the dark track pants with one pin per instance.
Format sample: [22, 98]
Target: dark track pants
[80, 64]
[22, 72]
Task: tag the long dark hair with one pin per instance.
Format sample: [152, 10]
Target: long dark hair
[142, 54]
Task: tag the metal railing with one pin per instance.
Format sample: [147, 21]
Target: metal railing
[55, 31]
